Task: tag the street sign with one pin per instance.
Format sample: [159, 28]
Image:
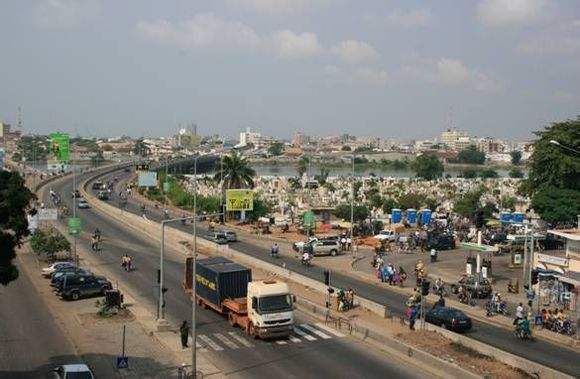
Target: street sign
[50, 214]
[74, 226]
[308, 219]
[59, 144]
[147, 179]
[122, 362]
[239, 200]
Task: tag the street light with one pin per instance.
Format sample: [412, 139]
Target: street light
[554, 142]
[352, 204]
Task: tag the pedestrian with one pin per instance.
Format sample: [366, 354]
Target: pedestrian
[348, 243]
[343, 243]
[519, 313]
[184, 331]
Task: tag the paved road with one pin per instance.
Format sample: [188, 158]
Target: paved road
[546, 353]
[31, 342]
[310, 351]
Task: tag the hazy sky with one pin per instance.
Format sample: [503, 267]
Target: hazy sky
[392, 68]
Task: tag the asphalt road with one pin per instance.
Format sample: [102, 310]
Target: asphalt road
[307, 354]
[31, 343]
[546, 353]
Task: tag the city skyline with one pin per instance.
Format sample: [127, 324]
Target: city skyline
[320, 67]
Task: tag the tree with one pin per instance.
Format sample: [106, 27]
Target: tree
[345, 148]
[14, 202]
[363, 149]
[261, 209]
[467, 204]
[410, 200]
[294, 183]
[49, 243]
[508, 202]
[427, 166]
[323, 176]
[554, 176]
[516, 173]
[236, 172]
[107, 147]
[376, 201]
[360, 212]
[389, 203]
[557, 205]
[34, 148]
[516, 156]
[303, 166]
[488, 173]
[276, 149]
[471, 155]
[469, 174]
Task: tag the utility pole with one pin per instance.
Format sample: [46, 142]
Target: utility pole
[352, 203]
[193, 292]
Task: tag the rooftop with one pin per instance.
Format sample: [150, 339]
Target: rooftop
[570, 234]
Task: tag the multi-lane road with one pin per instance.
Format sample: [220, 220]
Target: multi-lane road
[312, 351]
[546, 353]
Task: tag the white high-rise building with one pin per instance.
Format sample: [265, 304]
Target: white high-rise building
[248, 137]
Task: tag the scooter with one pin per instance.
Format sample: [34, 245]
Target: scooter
[306, 262]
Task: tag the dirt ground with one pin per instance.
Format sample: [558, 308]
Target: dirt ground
[461, 355]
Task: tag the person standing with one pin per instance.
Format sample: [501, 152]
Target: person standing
[184, 331]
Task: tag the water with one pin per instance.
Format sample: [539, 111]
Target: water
[287, 170]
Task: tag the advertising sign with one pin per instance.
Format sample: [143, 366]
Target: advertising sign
[74, 226]
[309, 219]
[59, 145]
[239, 200]
[50, 214]
[147, 179]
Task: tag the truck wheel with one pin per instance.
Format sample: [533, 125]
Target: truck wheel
[252, 331]
[333, 253]
[75, 295]
[232, 319]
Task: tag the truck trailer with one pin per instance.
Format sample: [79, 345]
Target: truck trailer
[263, 309]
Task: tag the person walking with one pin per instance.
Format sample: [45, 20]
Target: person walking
[184, 331]
[519, 313]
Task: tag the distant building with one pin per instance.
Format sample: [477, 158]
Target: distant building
[455, 139]
[254, 138]
[8, 137]
[300, 139]
[490, 145]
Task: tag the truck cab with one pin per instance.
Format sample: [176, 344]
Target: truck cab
[270, 310]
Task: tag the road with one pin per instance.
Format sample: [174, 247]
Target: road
[546, 353]
[312, 350]
[31, 342]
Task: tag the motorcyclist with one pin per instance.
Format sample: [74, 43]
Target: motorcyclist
[166, 214]
[306, 258]
[439, 286]
[433, 255]
[523, 327]
[274, 250]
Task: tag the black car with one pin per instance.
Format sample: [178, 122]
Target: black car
[449, 318]
[103, 195]
[58, 278]
[83, 286]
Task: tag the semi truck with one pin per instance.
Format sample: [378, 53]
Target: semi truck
[263, 309]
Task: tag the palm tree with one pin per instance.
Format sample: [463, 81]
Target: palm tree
[235, 171]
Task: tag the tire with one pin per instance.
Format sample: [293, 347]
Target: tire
[333, 253]
[75, 295]
[252, 331]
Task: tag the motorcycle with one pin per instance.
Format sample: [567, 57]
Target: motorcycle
[306, 261]
[523, 334]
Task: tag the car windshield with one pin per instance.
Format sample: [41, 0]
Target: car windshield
[276, 303]
[78, 375]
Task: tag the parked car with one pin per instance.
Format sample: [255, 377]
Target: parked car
[323, 247]
[48, 271]
[386, 235]
[98, 185]
[83, 286]
[231, 236]
[103, 195]
[73, 371]
[217, 237]
[449, 318]
[82, 204]
[478, 287]
[58, 277]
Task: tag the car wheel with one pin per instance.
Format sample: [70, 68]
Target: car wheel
[333, 253]
[75, 295]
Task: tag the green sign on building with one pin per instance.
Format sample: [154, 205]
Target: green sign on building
[309, 219]
[59, 146]
[74, 226]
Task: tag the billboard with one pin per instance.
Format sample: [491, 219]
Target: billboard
[147, 179]
[239, 200]
[59, 145]
[49, 214]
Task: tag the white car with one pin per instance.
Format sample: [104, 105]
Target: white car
[48, 271]
[73, 371]
[386, 235]
[82, 204]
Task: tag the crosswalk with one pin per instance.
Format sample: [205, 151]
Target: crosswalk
[234, 340]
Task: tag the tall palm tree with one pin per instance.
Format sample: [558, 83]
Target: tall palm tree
[235, 171]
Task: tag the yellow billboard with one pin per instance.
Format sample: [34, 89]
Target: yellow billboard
[239, 200]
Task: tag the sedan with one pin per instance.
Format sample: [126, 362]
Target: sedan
[73, 371]
[219, 238]
[449, 318]
[82, 204]
[231, 236]
[58, 266]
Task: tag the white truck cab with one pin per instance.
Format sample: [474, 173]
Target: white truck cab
[270, 308]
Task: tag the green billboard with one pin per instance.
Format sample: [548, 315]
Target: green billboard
[59, 145]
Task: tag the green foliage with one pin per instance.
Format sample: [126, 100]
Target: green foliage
[323, 176]
[49, 243]
[488, 210]
[427, 166]
[303, 166]
[276, 149]
[410, 200]
[469, 174]
[14, 201]
[34, 148]
[430, 203]
[516, 157]
[376, 200]
[363, 149]
[389, 203]
[360, 160]
[508, 203]
[488, 173]
[471, 155]
[468, 203]
[516, 173]
[345, 148]
[357, 186]
[261, 209]
[360, 212]
[295, 183]
[557, 205]
[236, 172]
[90, 144]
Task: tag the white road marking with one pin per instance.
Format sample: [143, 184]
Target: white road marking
[210, 343]
[226, 341]
[294, 339]
[281, 342]
[329, 330]
[315, 331]
[240, 339]
[304, 335]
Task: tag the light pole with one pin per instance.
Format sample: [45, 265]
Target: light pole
[554, 142]
[352, 203]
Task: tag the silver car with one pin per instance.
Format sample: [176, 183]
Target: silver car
[231, 235]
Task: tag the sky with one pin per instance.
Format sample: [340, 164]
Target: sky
[389, 68]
